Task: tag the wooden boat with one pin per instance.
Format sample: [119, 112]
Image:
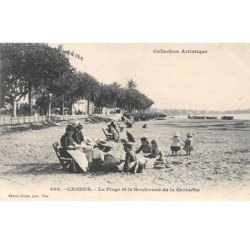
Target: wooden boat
[227, 117]
[161, 117]
[144, 118]
[211, 117]
[196, 117]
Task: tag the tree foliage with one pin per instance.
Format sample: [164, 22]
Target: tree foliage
[30, 68]
[38, 69]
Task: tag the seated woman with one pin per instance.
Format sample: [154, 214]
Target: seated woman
[160, 162]
[111, 128]
[145, 146]
[78, 135]
[127, 121]
[67, 141]
[102, 160]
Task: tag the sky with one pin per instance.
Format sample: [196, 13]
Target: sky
[216, 80]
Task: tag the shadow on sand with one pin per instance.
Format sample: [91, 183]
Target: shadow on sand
[45, 169]
[36, 169]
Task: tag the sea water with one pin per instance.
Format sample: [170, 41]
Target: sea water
[236, 116]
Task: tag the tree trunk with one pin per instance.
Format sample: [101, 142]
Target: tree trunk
[63, 107]
[71, 107]
[88, 106]
[13, 108]
[29, 100]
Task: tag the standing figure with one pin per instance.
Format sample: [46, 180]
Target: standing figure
[188, 144]
[176, 143]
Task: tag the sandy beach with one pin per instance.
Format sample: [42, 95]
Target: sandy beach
[219, 164]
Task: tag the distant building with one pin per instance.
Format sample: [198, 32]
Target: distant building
[77, 61]
[81, 107]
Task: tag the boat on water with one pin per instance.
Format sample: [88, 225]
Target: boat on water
[161, 117]
[196, 117]
[211, 117]
[227, 117]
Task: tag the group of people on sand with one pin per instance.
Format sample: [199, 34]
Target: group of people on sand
[177, 142]
[120, 156]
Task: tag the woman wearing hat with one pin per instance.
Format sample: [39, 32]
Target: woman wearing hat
[78, 136]
[111, 128]
[100, 161]
[67, 141]
[176, 143]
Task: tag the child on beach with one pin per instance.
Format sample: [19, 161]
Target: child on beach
[188, 144]
[176, 143]
[157, 153]
[88, 149]
[132, 164]
[145, 146]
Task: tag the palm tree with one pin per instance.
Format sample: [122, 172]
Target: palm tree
[131, 84]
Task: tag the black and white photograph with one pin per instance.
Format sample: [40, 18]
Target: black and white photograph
[98, 121]
[124, 124]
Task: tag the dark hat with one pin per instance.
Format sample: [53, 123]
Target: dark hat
[154, 142]
[144, 138]
[79, 126]
[70, 128]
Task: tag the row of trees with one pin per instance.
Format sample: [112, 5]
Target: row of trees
[38, 70]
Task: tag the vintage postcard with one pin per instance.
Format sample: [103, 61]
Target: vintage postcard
[124, 121]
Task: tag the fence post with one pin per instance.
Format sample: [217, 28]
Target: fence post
[18, 120]
[11, 121]
[24, 119]
[3, 120]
